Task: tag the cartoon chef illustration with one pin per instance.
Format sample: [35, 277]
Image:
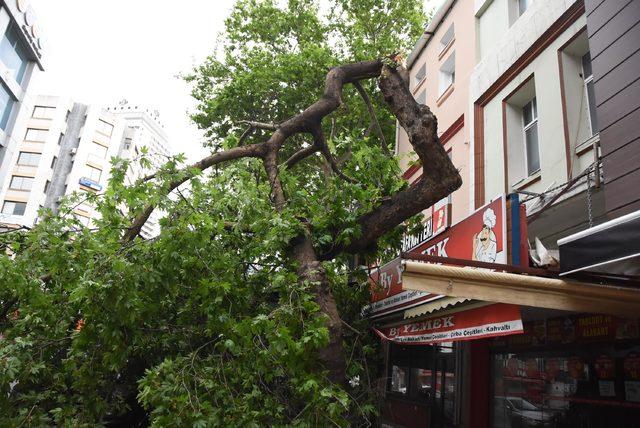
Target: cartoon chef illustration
[485, 246]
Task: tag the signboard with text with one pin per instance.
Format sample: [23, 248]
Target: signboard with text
[487, 321]
[481, 236]
[387, 294]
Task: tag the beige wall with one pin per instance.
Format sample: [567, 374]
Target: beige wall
[544, 70]
[455, 101]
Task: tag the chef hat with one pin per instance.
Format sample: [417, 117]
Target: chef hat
[489, 218]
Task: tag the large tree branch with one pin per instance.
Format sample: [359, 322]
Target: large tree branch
[439, 176]
[310, 118]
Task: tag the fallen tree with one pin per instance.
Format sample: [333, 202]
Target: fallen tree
[242, 311]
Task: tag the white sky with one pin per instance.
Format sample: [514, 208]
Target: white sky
[101, 51]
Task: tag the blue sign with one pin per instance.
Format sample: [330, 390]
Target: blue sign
[90, 184]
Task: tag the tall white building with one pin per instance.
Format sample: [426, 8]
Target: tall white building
[66, 148]
[20, 59]
[143, 128]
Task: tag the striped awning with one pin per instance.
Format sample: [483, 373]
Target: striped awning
[433, 306]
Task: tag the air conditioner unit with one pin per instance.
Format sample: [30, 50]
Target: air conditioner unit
[73, 151]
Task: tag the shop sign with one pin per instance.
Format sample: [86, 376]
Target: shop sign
[90, 183]
[487, 321]
[387, 292]
[482, 236]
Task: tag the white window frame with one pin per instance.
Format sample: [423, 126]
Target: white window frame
[48, 112]
[28, 155]
[588, 79]
[103, 125]
[97, 147]
[7, 203]
[526, 7]
[447, 74]
[41, 135]
[525, 128]
[448, 37]
[90, 173]
[21, 182]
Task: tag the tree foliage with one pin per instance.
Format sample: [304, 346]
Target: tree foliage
[212, 322]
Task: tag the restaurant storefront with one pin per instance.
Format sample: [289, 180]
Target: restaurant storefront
[460, 353]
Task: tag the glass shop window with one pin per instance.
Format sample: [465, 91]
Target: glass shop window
[410, 371]
[586, 386]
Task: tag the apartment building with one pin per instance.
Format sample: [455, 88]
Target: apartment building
[20, 58]
[551, 117]
[66, 147]
[440, 66]
[536, 128]
[143, 129]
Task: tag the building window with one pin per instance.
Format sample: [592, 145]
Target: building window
[104, 128]
[60, 138]
[47, 185]
[410, 371]
[447, 73]
[587, 74]
[54, 161]
[420, 75]
[422, 97]
[447, 39]
[36, 135]
[43, 112]
[29, 159]
[530, 127]
[6, 106]
[12, 53]
[523, 5]
[99, 150]
[19, 182]
[520, 127]
[14, 208]
[94, 174]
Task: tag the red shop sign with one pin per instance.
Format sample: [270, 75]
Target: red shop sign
[487, 321]
[387, 293]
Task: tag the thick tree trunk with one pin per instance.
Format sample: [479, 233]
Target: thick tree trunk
[310, 270]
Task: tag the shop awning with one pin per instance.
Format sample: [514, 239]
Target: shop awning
[431, 307]
[523, 290]
[465, 322]
[612, 247]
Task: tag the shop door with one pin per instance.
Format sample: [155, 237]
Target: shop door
[444, 386]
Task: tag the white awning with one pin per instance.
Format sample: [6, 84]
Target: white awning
[436, 305]
[526, 290]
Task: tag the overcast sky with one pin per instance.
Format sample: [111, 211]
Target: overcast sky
[101, 51]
